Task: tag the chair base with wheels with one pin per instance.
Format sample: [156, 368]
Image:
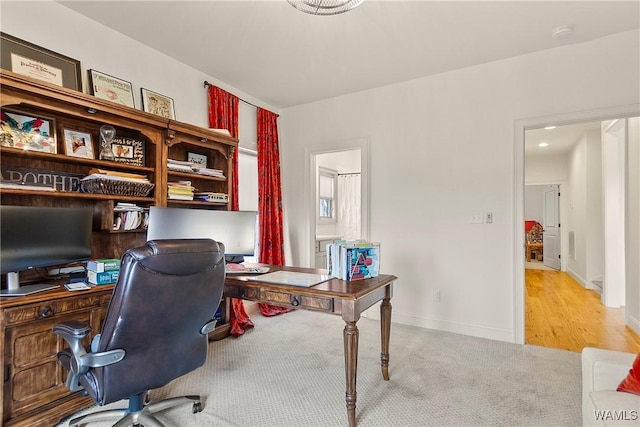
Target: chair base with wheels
[139, 411]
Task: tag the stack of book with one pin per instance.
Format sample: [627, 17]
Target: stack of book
[129, 216]
[103, 271]
[353, 260]
[180, 165]
[208, 171]
[210, 197]
[180, 190]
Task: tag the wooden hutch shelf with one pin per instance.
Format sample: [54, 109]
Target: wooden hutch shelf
[34, 392]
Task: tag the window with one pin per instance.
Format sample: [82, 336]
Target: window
[327, 189]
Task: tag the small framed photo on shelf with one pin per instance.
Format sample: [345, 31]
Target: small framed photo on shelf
[111, 88]
[26, 132]
[128, 150]
[39, 63]
[197, 159]
[78, 144]
[155, 103]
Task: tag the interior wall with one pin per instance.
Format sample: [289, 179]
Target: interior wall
[442, 148]
[632, 308]
[594, 221]
[577, 215]
[533, 202]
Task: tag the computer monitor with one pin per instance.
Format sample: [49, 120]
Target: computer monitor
[235, 229]
[33, 236]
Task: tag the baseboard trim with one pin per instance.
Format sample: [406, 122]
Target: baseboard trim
[578, 278]
[479, 331]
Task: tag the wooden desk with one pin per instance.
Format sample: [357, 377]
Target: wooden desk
[533, 247]
[347, 299]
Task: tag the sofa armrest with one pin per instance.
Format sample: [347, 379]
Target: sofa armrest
[604, 369]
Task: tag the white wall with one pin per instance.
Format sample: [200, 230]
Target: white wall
[577, 215]
[533, 200]
[442, 147]
[594, 222]
[632, 308]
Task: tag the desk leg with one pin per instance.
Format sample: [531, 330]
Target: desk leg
[351, 367]
[385, 333]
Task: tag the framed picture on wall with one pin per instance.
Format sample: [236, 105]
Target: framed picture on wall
[155, 103]
[39, 63]
[111, 88]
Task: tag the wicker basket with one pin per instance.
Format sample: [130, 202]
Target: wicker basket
[116, 187]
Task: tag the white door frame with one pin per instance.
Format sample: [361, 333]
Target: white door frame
[520, 126]
[310, 166]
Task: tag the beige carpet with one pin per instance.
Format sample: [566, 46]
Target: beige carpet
[289, 371]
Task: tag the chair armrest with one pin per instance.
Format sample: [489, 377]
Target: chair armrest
[73, 332]
[604, 369]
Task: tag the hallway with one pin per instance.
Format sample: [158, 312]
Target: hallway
[562, 314]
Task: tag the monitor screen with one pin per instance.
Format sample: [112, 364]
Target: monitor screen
[235, 229]
[33, 236]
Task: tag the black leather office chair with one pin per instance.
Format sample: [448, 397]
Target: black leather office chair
[155, 330]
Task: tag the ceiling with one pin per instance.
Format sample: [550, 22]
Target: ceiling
[560, 140]
[283, 57]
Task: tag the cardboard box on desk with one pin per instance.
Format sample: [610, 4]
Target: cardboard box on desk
[103, 278]
[102, 265]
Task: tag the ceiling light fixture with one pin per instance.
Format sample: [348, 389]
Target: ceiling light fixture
[543, 144]
[324, 7]
[549, 127]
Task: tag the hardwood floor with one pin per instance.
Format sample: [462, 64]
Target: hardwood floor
[560, 313]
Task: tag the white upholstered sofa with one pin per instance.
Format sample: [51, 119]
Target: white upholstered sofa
[602, 405]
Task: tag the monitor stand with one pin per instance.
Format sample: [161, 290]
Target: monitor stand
[15, 290]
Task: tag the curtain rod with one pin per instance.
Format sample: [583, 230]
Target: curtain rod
[206, 83]
[350, 173]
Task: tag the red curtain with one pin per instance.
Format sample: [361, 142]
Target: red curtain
[270, 198]
[223, 114]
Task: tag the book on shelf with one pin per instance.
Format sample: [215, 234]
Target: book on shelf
[180, 196]
[212, 197]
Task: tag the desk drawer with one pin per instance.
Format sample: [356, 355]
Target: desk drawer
[301, 301]
[30, 312]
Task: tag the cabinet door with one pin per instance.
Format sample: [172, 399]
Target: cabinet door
[34, 375]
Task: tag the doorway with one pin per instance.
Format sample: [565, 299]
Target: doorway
[521, 127]
[346, 158]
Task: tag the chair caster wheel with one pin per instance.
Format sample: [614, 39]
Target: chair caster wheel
[197, 407]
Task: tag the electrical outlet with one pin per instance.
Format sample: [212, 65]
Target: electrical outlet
[436, 296]
[488, 217]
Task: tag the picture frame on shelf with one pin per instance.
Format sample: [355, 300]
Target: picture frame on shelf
[27, 132]
[128, 150]
[155, 103]
[78, 144]
[31, 60]
[111, 88]
[197, 159]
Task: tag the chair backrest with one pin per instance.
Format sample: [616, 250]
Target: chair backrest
[166, 292]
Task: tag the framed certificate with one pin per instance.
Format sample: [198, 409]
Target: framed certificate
[39, 63]
[111, 88]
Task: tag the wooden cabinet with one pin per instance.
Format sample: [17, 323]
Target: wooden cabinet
[33, 391]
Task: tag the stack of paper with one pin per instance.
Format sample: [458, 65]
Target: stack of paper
[180, 165]
[180, 190]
